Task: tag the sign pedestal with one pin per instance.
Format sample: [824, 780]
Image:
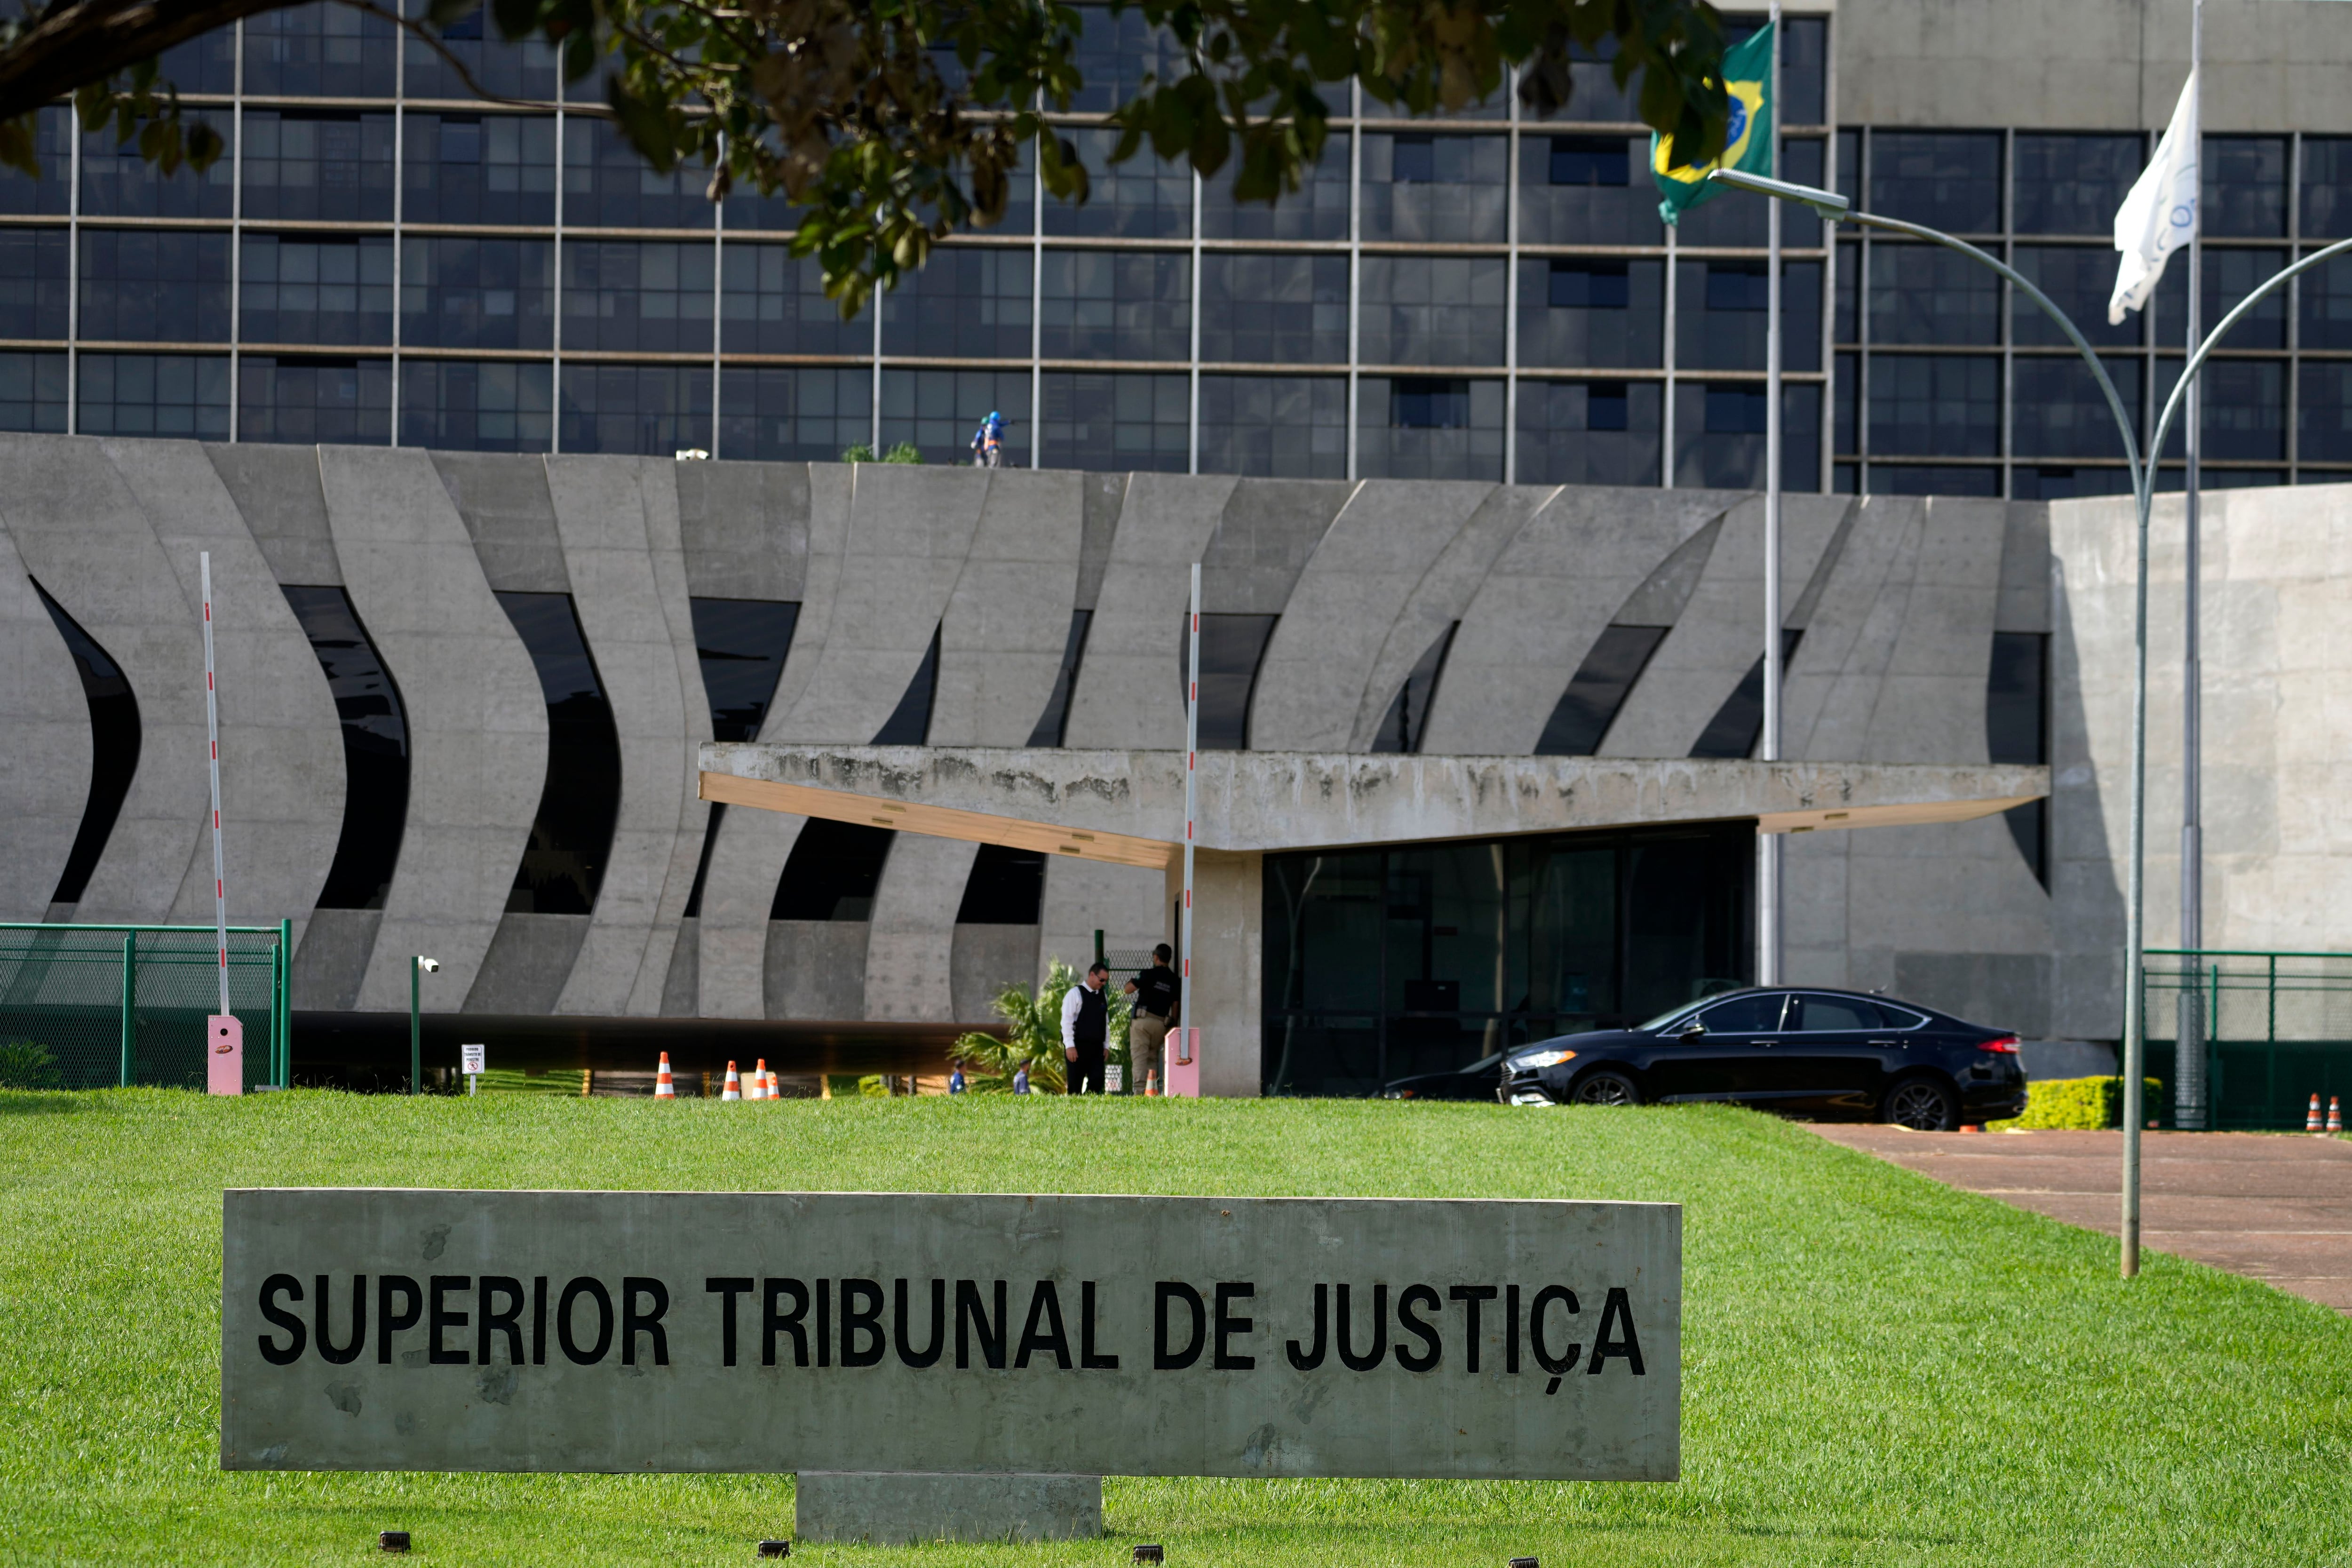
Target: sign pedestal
[224, 1054]
[1184, 1078]
[899, 1509]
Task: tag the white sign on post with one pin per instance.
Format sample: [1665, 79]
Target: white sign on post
[377, 1329]
[470, 1059]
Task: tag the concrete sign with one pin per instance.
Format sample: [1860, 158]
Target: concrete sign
[367, 1329]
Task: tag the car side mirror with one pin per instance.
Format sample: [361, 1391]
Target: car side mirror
[1690, 1030]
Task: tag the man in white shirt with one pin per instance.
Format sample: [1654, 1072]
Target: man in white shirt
[1085, 1030]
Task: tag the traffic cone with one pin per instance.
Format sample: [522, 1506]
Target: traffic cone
[2334, 1115]
[775, 1088]
[1151, 1083]
[734, 1089]
[758, 1087]
[664, 1089]
[2311, 1117]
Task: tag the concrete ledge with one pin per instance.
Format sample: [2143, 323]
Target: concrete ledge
[892, 1509]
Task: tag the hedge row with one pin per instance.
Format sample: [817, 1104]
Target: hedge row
[2075, 1104]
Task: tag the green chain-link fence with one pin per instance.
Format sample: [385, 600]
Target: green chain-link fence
[2278, 1029]
[125, 1005]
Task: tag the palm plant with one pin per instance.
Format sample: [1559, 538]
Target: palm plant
[1032, 1035]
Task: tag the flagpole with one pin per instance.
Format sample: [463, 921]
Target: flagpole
[1767, 845]
[2189, 1094]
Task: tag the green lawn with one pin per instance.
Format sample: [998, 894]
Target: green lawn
[1878, 1369]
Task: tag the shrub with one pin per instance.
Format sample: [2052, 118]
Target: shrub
[1033, 1037]
[859, 452]
[903, 452]
[27, 1064]
[2074, 1104]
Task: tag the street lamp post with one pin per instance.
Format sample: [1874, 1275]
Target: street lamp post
[417, 967]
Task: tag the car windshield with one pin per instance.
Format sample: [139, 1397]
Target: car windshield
[1669, 1016]
[1484, 1063]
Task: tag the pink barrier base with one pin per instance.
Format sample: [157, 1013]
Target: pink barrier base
[223, 1054]
[1182, 1078]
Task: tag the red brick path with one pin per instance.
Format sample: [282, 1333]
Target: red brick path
[2275, 1208]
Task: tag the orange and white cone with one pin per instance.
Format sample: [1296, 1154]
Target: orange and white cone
[734, 1089]
[775, 1089]
[2335, 1114]
[758, 1087]
[1151, 1084]
[664, 1087]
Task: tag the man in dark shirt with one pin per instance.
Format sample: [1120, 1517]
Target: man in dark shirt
[1154, 990]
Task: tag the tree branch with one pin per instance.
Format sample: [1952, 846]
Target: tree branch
[432, 40]
[70, 42]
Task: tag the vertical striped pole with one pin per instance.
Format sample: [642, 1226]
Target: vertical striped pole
[1186, 1032]
[212, 733]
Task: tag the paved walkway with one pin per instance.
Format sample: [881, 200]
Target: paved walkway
[2277, 1208]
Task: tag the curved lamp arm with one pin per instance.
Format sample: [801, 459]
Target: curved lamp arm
[2212, 339]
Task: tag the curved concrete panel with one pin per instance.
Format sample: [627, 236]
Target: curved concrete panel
[1007, 619]
[1720, 635]
[1347, 597]
[618, 521]
[81, 531]
[281, 741]
[45, 767]
[1550, 593]
[910, 948]
[1833, 681]
[476, 720]
[1130, 686]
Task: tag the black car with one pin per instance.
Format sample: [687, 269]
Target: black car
[1480, 1080]
[1835, 1055]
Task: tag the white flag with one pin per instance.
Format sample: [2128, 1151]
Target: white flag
[2159, 217]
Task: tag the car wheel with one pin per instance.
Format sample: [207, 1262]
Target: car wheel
[1605, 1089]
[1923, 1105]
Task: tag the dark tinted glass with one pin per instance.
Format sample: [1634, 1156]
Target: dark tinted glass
[1737, 724]
[1231, 648]
[33, 392]
[2078, 280]
[116, 182]
[1275, 427]
[1402, 728]
[909, 723]
[941, 410]
[512, 70]
[1426, 187]
[742, 645]
[1756, 1014]
[1005, 887]
[1142, 198]
[319, 51]
[2017, 725]
[1947, 179]
[154, 394]
[1433, 310]
[1719, 436]
[305, 400]
[36, 288]
[792, 414]
[1577, 314]
[648, 410]
[1926, 294]
[1429, 428]
[1316, 210]
[774, 303]
[1590, 206]
[1116, 422]
[1935, 479]
[608, 184]
[2072, 184]
[1123, 305]
[375, 749]
[2326, 187]
[2061, 413]
[477, 293]
[2230, 274]
[477, 406]
[53, 133]
[317, 164]
[154, 286]
[642, 295]
[2244, 186]
[964, 302]
[2326, 306]
[1599, 689]
[1055, 722]
[2063, 482]
[478, 168]
[564, 865]
[833, 872]
[1116, 50]
[1943, 405]
[1735, 218]
[1816, 1014]
[1274, 310]
[114, 737]
[205, 63]
[1722, 316]
[301, 289]
[2324, 411]
[1589, 433]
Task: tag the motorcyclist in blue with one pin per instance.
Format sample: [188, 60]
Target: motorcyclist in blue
[988, 442]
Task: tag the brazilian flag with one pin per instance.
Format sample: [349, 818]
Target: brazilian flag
[1747, 136]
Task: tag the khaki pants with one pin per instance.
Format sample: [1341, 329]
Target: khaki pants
[1147, 1036]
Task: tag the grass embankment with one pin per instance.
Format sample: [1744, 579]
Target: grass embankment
[1878, 1369]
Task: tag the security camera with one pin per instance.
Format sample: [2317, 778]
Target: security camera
[430, 966]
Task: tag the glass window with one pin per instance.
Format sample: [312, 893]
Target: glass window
[116, 182]
[478, 168]
[1116, 423]
[1935, 479]
[1735, 218]
[1849, 167]
[154, 394]
[607, 184]
[564, 865]
[1848, 391]
[1926, 294]
[317, 164]
[1598, 690]
[296, 289]
[1117, 304]
[1574, 313]
[1804, 69]
[477, 293]
[1723, 316]
[1231, 648]
[53, 150]
[965, 301]
[319, 51]
[1433, 310]
[526, 70]
[477, 406]
[2062, 482]
[2326, 305]
[2230, 274]
[1419, 185]
[793, 414]
[938, 410]
[1846, 328]
[307, 400]
[1589, 433]
[645, 409]
[1005, 887]
[1406, 723]
[1934, 405]
[2244, 180]
[2326, 187]
[375, 749]
[2061, 413]
[1275, 427]
[1429, 428]
[2078, 278]
[1116, 50]
[1719, 436]
[1758, 1012]
[742, 645]
[648, 295]
[1739, 722]
[1274, 310]
[1815, 1014]
[2072, 184]
[154, 286]
[2244, 407]
[36, 284]
[1142, 198]
[1946, 179]
[205, 63]
[1586, 190]
[1316, 210]
[774, 303]
[833, 872]
[2017, 699]
[2324, 411]
[33, 391]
